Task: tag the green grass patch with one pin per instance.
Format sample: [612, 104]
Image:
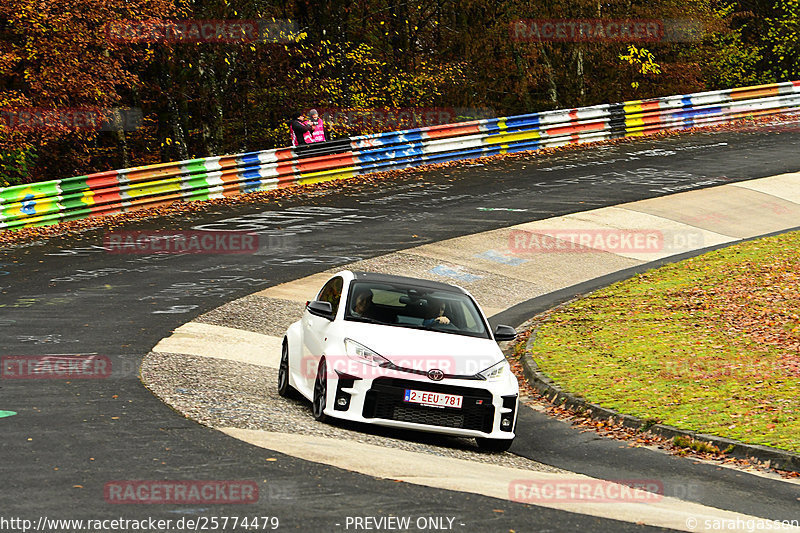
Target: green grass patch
[710, 344]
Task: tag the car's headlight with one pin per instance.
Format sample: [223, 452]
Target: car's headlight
[496, 372]
[359, 352]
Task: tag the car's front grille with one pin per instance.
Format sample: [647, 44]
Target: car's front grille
[430, 417]
[385, 400]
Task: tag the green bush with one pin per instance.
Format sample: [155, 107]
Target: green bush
[15, 166]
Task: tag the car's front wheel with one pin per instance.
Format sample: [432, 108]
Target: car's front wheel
[284, 389]
[494, 445]
[320, 393]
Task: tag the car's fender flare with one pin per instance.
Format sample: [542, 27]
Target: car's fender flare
[295, 339]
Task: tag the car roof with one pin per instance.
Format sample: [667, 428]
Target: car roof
[414, 282]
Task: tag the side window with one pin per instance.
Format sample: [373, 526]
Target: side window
[332, 292]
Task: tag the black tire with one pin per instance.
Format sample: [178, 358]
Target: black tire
[494, 445]
[284, 389]
[320, 393]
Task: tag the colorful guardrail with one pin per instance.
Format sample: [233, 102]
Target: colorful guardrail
[119, 191]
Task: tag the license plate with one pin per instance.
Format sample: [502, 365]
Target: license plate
[435, 399]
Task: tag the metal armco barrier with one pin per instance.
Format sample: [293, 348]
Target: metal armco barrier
[119, 191]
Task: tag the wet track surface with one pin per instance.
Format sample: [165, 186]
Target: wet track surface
[69, 296]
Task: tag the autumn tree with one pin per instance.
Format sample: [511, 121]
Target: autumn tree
[57, 55]
[201, 98]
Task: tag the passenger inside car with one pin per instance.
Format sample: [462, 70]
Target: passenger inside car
[362, 303]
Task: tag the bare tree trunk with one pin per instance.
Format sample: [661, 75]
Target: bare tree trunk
[579, 74]
[179, 141]
[522, 68]
[213, 121]
[122, 144]
[551, 78]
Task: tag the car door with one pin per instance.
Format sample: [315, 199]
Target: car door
[315, 330]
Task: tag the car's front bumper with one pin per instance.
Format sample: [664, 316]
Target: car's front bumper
[488, 409]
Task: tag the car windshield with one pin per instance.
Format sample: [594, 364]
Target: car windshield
[415, 307]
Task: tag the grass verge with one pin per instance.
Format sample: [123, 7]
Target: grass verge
[710, 344]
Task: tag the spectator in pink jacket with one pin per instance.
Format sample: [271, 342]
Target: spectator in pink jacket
[301, 130]
[318, 133]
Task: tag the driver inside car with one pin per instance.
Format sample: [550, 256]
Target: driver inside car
[436, 310]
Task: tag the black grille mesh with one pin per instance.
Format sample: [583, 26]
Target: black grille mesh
[428, 417]
[385, 400]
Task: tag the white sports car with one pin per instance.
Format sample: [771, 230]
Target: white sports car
[402, 352]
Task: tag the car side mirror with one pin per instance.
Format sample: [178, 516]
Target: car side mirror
[504, 333]
[320, 308]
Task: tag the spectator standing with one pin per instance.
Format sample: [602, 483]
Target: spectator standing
[300, 130]
[318, 134]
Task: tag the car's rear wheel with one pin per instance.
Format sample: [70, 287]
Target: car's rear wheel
[494, 445]
[320, 393]
[284, 389]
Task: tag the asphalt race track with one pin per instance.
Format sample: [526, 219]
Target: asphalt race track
[69, 296]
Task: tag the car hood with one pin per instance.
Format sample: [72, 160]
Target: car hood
[426, 350]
